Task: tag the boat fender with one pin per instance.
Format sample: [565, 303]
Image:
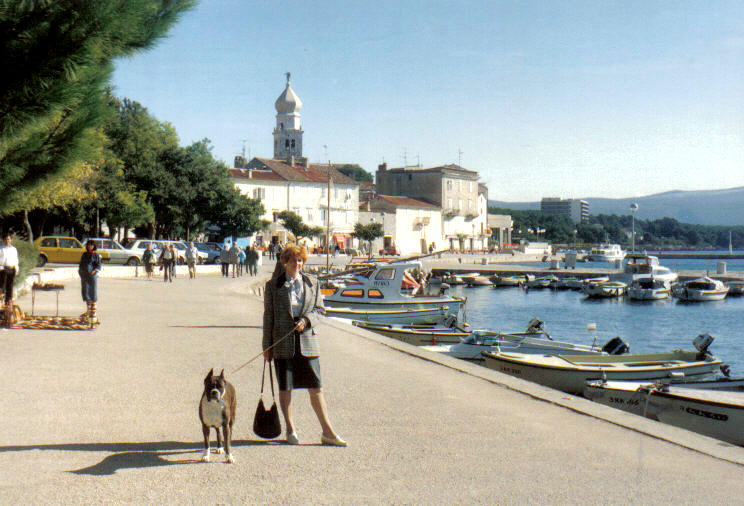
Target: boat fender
[616, 346]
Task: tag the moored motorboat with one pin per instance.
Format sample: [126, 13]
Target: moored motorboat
[715, 408]
[605, 289]
[643, 265]
[700, 290]
[385, 287]
[418, 335]
[403, 316]
[606, 253]
[569, 373]
[540, 282]
[736, 288]
[503, 281]
[649, 289]
[478, 280]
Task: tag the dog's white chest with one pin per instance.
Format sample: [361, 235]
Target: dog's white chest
[211, 412]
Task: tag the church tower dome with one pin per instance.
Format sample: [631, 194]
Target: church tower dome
[288, 130]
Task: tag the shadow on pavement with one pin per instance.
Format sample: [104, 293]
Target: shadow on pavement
[138, 455]
[216, 326]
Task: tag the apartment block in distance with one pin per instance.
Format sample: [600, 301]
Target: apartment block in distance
[577, 210]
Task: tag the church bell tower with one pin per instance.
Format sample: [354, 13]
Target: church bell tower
[288, 130]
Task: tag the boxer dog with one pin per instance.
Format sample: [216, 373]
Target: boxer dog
[217, 409]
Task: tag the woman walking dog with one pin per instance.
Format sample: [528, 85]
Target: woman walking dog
[290, 310]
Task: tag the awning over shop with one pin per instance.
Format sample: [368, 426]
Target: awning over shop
[343, 240]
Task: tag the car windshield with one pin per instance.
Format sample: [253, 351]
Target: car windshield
[203, 247]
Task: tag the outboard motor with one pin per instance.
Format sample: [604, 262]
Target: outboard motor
[443, 288]
[701, 343]
[616, 346]
[535, 326]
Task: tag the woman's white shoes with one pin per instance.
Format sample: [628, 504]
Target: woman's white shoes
[292, 439]
[332, 441]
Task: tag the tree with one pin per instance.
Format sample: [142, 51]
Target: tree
[299, 229]
[368, 233]
[355, 172]
[56, 60]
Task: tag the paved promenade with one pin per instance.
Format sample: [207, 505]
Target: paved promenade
[110, 416]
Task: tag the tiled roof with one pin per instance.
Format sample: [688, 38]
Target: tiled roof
[405, 201]
[264, 175]
[314, 172]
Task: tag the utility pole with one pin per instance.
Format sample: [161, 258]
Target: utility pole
[328, 225]
[459, 157]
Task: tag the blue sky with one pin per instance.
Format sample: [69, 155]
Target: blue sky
[568, 99]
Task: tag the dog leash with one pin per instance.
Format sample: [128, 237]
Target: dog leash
[290, 333]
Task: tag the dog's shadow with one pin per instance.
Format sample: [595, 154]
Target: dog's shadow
[138, 455]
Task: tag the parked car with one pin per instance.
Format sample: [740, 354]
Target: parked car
[140, 245]
[59, 249]
[212, 250]
[118, 253]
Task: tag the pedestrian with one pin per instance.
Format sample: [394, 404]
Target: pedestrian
[234, 257]
[192, 256]
[175, 261]
[148, 259]
[241, 261]
[289, 326]
[166, 263]
[271, 251]
[225, 260]
[8, 270]
[88, 269]
[251, 257]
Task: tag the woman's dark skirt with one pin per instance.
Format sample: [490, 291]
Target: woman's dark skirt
[298, 371]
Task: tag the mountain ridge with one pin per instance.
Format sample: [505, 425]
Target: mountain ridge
[702, 207]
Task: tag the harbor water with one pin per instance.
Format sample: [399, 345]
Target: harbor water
[648, 327]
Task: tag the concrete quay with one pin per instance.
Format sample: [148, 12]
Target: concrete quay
[110, 416]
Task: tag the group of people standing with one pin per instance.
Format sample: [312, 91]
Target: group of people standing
[239, 258]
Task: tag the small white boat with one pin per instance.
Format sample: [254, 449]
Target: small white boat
[503, 281]
[459, 279]
[605, 289]
[568, 283]
[649, 289]
[478, 280]
[714, 408]
[533, 340]
[540, 282]
[700, 290]
[569, 373]
[736, 288]
[606, 253]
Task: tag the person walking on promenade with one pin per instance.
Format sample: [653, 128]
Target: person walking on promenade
[175, 261]
[241, 261]
[148, 259]
[289, 323]
[166, 262]
[8, 270]
[271, 251]
[234, 257]
[225, 261]
[192, 256]
[88, 269]
[251, 258]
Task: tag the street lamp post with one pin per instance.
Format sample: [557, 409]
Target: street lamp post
[633, 210]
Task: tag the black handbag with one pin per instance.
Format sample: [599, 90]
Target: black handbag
[266, 422]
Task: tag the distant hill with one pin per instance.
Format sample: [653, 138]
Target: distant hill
[703, 207]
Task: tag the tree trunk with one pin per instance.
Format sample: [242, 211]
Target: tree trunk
[29, 231]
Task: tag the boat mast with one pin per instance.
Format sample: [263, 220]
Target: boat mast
[328, 223]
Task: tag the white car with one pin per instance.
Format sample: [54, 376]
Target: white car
[118, 254]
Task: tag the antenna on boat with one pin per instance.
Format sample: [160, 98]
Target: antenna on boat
[592, 328]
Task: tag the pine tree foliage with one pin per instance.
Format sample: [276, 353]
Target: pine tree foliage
[57, 58]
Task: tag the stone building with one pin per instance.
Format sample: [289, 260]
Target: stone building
[453, 189]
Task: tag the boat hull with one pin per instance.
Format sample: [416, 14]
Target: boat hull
[416, 337]
[715, 413]
[648, 293]
[399, 316]
[569, 374]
